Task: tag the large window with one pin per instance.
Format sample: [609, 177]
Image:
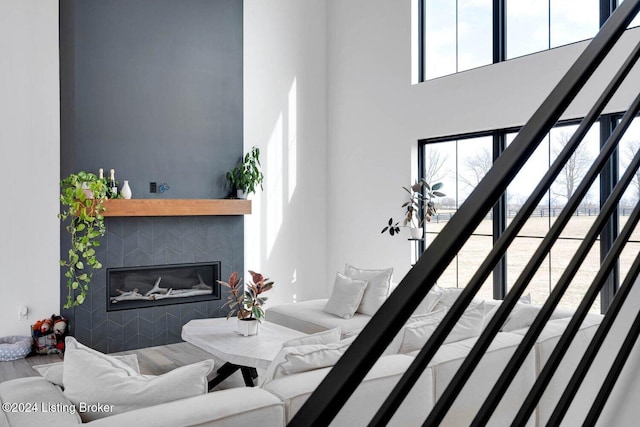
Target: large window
[464, 34]
[460, 163]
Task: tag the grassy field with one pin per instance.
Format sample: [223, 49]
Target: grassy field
[460, 271]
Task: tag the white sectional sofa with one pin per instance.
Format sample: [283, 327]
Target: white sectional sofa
[278, 399]
[309, 317]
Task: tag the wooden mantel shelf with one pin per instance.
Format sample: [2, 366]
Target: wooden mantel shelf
[176, 207]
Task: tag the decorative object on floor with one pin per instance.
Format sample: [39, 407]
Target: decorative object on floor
[246, 177]
[84, 211]
[247, 301]
[14, 348]
[48, 335]
[419, 208]
[126, 190]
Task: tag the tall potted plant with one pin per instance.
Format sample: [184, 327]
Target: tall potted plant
[245, 178]
[246, 301]
[419, 207]
[82, 198]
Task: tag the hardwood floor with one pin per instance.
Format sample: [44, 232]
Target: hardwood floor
[152, 360]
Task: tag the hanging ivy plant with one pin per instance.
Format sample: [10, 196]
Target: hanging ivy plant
[82, 197]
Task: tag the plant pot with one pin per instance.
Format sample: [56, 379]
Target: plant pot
[416, 233]
[247, 327]
[241, 194]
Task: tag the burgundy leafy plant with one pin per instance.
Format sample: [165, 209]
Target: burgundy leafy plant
[246, 300]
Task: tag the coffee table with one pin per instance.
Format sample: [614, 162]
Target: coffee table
[219, 337]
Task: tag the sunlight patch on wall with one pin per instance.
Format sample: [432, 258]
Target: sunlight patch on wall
[274, 190]
[253, 237]
[292, 120]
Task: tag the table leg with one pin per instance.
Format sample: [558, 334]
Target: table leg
[248, 374]
[226, 370]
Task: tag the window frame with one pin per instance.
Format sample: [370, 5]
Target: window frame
[608, 178]
[499, 33]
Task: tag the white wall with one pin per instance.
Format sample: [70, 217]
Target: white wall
[285, 115]
[29, 163]
[376, 118]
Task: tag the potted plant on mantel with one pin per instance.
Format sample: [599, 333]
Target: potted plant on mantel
[420, 207]
[247, 301]
[82, 196]
[245, 178]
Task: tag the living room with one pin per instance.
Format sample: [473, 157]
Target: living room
[329, 99]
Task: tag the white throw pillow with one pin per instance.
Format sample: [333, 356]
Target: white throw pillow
[346, 296]
[377, 290]
[522, 316]
[320, 338]
[101, 385]
[309, 357]
[396, 344]
[469, 325]
[429, 302]
[52, 372]
[448, 297]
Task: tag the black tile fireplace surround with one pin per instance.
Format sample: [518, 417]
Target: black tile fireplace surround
[157, 241]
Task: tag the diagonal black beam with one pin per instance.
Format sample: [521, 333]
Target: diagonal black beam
[529, 340]
[346, 375]
[594, 346]
[614, 373]
[574, 325]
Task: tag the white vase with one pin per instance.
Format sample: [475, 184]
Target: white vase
[247, 327]
[126, 190]
[416, 233]
[241, 194]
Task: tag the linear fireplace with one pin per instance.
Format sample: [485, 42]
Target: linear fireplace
[152, 286]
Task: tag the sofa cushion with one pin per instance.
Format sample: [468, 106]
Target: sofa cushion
[302, 358]
[416, 335]
[346, 296]
[294, 390]
[325, 337]
[429, 302]
[545, 344]
[377, 290]
[106, 385]
[235, 407]
[52, 372]
[523, 315]
[45, 396]
[309, 317]
[447, 361]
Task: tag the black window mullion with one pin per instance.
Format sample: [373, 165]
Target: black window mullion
[608, 179]
[499, 31]
[499, 223]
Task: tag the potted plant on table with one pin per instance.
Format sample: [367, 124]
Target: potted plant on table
[420, 207]
[246, 177]
[246, 301]
[82, 197]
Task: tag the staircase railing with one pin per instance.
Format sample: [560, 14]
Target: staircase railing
[332, 393]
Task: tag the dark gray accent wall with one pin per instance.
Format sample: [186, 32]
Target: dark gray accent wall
[157, 92]
[153, 89]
